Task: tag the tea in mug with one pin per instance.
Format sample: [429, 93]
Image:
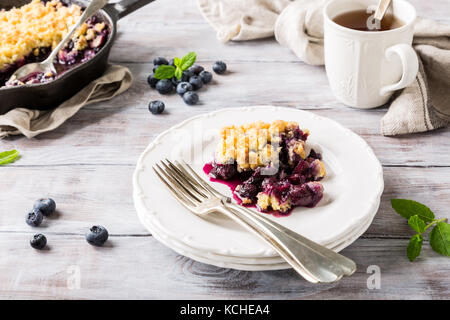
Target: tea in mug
[363, 21]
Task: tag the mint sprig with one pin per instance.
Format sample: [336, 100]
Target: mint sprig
[8, 157]
[420, 219]
[167, 72]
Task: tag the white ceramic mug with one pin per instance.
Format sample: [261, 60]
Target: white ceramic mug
[364, 68]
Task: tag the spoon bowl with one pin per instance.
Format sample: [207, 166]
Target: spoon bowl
[47, 66]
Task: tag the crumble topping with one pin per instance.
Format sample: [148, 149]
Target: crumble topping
[38, 25]
[258, 144]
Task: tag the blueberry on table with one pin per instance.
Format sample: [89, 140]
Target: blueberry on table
[187, 74]
[196, 82]
[196, 69]
[156, 107]
[97, 236]
[164, 86]
[190, 98]
[34, 218]
[38, 241]
[47, 206]
[206, 76]
[160, 60]
[184, 87]
[219, 67]
[152, 81]
[175, 81]
[172, 62]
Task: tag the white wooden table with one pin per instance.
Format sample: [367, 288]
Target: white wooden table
[86, 166]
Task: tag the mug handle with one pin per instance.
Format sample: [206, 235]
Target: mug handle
[410, 65]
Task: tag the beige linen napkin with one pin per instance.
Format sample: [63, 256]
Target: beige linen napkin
[30, 123]
[422, 106]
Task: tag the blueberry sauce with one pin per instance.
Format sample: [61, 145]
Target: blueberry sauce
[232, 184]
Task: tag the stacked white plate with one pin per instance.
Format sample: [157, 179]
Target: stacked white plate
[353, 188]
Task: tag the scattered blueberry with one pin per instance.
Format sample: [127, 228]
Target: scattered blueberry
[152, 81]
[175, 81]
[196, 82]
[39, 241]
[190, 98]
[164, 86]
[196, 69]
[219, 67]
[160, 60]
[206, 76]
[156, 107]
[97, 236]
[172, 62]
[46, 206]
[184, 87]
[188, 73]
[34, 218]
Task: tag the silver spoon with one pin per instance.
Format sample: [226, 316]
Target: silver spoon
[47, 65]
[383, 5]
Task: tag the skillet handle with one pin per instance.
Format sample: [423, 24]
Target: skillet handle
[125, 7]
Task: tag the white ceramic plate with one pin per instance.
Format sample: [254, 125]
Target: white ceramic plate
[248, 264]
[353, 185]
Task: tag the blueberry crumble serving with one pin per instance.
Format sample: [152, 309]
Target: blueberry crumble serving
[269, 166]
[28, 34]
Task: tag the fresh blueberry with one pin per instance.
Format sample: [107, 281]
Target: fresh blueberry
[97, 236]
[219, 67]
[175, 81]
[206, 76]
[196, 69]
[164, 86]
[46, 206]
[34, 218]
[152, 81]
[184, 87]
[39, 241]
[190, 98]
[160, 60]
[156, 107]
[172, 62]
[196, 82]
[188, 74]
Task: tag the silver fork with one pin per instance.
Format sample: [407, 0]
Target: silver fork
[311, 260]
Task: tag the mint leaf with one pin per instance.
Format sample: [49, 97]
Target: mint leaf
[440, 238]
[408, 208]
[164, 72]
[178, 73]
[177, 62]
[414, 247]
[8, 157]
[188, 60]
[417, 224]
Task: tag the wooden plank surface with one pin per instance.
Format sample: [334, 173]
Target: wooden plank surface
[87, 163]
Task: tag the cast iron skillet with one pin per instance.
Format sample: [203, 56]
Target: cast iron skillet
[48, 95]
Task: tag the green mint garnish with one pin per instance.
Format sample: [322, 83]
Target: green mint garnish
[8, 157]
[414, 247]
[167, 72]
[440, 238]
[164, 72]
[408, 208]
[188, 60]
[421, 218]
[417, 224]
